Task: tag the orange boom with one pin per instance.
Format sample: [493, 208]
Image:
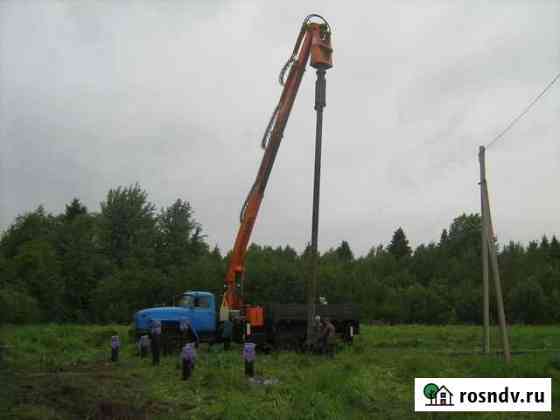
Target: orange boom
[313, 42]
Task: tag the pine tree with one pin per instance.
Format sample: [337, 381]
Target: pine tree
[74, 209]
[544, 244]
[344, 253]
[399, 245]
[443, 238]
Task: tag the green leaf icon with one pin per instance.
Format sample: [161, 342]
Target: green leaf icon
[430, 391]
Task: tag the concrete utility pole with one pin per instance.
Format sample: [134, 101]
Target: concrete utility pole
[320, 103]
[484, 239]
[488, 231]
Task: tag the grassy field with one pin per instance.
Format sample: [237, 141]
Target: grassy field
[63, 372]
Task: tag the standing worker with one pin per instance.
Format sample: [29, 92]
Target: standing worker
[327, 338]
[227, 330]
[188, 359]
[115, 346]
[143, 346]
[249, 356]
[155, 341]
[188, 333]
[315, 334]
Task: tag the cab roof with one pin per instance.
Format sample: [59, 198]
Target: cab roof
[197, 293]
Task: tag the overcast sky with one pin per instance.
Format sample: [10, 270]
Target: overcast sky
[176, 96]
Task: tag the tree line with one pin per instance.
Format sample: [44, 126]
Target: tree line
[83, 266]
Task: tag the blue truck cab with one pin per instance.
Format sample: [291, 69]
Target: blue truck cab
[198, 307]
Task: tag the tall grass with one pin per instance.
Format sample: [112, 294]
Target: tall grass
[62, 371]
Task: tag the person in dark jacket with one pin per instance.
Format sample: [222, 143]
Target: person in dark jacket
[227, 331]
[249, 355]
[188, 359]
[316, 329]
[188, 333]
[155, 341]
[143, 346]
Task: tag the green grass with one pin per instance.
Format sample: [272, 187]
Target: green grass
[63, 372]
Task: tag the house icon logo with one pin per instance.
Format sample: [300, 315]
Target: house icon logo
[439, 396]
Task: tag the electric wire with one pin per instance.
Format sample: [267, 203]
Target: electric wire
[525, 111]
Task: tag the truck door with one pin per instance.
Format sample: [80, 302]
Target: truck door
[204, 313]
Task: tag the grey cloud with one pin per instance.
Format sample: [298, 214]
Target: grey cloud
[175, 95]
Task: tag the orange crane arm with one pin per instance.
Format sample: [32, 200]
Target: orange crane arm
[313, 40]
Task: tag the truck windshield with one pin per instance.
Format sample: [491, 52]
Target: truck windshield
[187, 301]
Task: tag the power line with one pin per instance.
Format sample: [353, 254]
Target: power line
[514, 121]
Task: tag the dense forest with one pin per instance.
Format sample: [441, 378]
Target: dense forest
[83, 266]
